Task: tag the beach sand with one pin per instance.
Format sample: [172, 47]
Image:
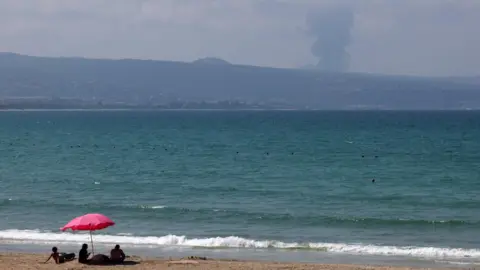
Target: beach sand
[36, 261]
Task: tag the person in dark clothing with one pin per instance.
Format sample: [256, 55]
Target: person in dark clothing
[83, 254]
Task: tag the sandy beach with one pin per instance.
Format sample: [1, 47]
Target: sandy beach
[36, 261]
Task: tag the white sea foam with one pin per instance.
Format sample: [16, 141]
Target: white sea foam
[35, 236]
[152, 207]
[125, 234]
[457, 262]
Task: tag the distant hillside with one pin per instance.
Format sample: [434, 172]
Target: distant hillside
[140, 81]
[469, 80]
[211, 61]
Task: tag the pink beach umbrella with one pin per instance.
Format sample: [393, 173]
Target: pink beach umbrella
[89, 222]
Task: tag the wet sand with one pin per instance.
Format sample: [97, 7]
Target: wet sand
[36, 261]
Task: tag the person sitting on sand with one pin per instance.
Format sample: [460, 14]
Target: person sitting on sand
[60, 257]
[117, 255]
[55, 255]
[83, 254]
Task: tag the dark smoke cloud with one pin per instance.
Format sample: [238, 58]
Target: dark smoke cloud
[331, 27]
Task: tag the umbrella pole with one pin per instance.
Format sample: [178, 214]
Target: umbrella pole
[91, 240]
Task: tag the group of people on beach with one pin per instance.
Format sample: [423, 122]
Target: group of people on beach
[117, 256]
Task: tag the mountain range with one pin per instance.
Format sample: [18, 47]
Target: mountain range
[212, 79]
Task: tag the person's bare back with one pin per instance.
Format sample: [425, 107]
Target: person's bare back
[117, 255]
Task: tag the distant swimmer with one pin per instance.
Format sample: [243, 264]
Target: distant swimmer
[373, 180]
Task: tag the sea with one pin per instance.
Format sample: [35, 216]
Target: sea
[368, 187]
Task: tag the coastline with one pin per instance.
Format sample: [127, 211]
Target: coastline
[30, 261]
[11, 252]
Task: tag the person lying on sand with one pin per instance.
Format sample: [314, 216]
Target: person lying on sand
[60, 257]
[99, 259]
[117, 255]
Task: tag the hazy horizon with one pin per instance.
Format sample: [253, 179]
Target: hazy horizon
[422, 38]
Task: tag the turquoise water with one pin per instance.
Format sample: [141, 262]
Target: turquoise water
[276, 181]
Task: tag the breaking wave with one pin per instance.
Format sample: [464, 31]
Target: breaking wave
[36, 236]
[255, 217]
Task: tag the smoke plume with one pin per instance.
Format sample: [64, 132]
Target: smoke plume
[332, 28]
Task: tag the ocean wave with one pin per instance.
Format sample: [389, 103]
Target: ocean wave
[457, 262]
[254, 217]
[400, 221]
[36, 236]
[151, 207]
[88, 205]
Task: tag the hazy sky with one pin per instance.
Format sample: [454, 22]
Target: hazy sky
[422, 37]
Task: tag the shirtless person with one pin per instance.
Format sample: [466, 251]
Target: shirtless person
[60, 257]
[117, 255]
[55, 255]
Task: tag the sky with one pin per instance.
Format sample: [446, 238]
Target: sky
[411, 37]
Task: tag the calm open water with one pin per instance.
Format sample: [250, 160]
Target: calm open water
[292, 182]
